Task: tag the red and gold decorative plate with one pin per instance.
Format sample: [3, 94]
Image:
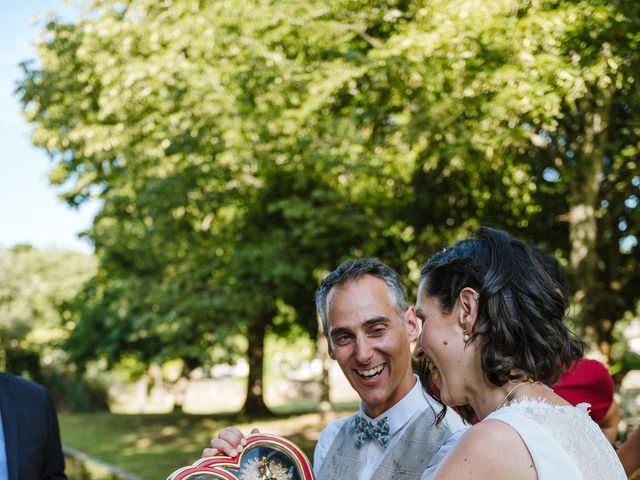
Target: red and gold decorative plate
[265, 457]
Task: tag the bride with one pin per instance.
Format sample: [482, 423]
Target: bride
[493, 339]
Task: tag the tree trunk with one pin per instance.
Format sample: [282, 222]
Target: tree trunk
[583, 227]
[254, 405]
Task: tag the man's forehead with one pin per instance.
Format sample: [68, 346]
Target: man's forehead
[351, 283]
[367, 288]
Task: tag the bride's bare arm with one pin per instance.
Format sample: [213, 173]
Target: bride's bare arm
[489, 449]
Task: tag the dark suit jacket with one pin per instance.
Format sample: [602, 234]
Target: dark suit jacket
[31, 433]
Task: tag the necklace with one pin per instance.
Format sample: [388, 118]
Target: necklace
[512, 390]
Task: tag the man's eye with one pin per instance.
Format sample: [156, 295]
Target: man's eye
[376, 332]
[342, 339]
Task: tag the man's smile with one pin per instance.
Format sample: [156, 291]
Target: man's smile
[372, 372]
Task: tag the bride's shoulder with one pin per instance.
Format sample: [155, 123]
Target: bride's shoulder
[489, 449]
[492, 431]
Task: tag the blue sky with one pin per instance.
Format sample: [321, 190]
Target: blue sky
[30, 210]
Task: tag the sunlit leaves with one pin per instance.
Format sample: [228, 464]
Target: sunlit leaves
[33, 286]
[239, 146]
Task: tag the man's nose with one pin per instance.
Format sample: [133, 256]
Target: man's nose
[364, 350]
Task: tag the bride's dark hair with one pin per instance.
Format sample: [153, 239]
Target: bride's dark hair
[520, 316]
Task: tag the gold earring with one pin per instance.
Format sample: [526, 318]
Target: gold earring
[465, 336]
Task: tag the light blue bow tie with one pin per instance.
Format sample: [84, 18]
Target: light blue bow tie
[366, 430]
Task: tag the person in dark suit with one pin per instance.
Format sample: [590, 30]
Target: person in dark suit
[30, 434]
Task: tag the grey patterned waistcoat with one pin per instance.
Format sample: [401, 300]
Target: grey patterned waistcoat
[407, 459]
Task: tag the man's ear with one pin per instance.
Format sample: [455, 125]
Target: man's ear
[411, 323]
[469, 303]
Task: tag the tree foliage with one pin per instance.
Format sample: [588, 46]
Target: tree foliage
[33, 285]
[241, 148]
[528, 115]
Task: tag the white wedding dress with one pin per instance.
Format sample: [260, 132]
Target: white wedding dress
[563, 441]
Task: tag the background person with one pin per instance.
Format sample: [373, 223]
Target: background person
[589, 381]
[629, 453]
[29, 432]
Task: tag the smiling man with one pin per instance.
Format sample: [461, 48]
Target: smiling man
[369, 329]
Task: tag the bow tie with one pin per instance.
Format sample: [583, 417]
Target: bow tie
[366, 430]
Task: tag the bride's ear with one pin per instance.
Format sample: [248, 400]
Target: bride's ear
[469, 301]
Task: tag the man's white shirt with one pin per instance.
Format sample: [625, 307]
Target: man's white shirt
[399, 417]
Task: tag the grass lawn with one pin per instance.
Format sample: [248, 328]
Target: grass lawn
[152, 446]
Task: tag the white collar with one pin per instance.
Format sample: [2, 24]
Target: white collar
[399, 414]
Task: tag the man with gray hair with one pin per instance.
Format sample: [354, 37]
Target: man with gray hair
[369, 330]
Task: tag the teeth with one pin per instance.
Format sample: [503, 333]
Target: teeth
[371, 372]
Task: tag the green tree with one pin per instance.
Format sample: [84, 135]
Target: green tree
[243, 148]
[33, 284]
[193, 124]
[552, 88]
[520, 114]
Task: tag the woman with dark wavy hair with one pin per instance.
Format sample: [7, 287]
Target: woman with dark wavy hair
[493, 340]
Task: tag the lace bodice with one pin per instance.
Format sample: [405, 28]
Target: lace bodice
[563, 440]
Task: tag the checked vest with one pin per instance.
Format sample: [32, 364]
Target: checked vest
[407, 459]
